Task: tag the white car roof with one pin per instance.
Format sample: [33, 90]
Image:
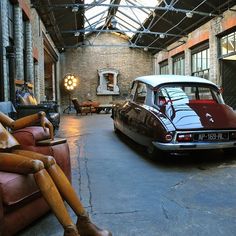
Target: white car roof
[156, 80]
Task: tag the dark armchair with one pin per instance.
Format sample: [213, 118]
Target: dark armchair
[27, 105]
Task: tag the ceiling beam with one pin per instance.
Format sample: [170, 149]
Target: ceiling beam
[165, 8]
[111, 13]
[89, 30]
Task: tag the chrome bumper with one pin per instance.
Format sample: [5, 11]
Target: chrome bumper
[194, 145]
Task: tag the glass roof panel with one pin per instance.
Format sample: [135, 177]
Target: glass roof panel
[95, 13]
[133, 17]
[130, 15]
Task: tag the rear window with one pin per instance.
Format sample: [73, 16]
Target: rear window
[178, 94]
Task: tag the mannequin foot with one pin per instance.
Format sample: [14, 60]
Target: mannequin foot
[71, 230]
[87, 228]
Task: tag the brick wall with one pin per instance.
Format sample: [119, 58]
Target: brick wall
[86, 61]
[208, 31]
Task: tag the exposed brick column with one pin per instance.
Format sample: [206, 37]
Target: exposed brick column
[170, 65]
[18, 25]
[5, 42]
[213, 43]
[29, 53]
[36, 81]
[188, 59]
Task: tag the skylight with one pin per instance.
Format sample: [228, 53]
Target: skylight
[129, 17]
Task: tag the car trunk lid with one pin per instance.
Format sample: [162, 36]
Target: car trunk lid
[200, 116]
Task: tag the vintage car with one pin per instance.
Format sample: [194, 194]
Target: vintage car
[176, 113]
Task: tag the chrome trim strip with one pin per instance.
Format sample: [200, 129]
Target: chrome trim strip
[194, 145]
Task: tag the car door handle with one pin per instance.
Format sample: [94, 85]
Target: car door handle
[137, 109]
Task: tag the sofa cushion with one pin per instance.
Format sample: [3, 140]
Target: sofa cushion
[31, 135]
[16, 188]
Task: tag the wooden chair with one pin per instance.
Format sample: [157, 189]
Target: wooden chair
[81, 107]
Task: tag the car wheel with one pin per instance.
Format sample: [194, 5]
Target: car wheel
[230, 151]
[154, 153]
[116, 130]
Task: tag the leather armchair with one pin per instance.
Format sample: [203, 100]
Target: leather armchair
[21, 202]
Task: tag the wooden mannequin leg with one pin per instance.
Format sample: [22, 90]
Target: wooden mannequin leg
[66, 190]
[16, 163]
[59, 178]
[52, 196]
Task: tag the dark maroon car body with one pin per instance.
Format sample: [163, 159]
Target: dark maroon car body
[176, 113]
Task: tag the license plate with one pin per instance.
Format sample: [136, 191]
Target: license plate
[213, 136]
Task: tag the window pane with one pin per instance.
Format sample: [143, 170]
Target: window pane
[224, 45]
[231, 43]
[204, 59]
[194, 62]
[199, 61]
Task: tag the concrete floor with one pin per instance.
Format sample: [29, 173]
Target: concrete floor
[132, 195]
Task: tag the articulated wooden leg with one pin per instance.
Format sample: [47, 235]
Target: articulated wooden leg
[52, 196]
[54, 200]
[66, 189]
[84, 225]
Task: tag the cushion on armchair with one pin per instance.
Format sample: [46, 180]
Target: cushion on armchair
[17, 188]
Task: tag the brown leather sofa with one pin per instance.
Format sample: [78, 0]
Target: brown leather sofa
[20, 200]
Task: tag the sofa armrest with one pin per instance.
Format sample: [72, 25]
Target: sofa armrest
[31, 135]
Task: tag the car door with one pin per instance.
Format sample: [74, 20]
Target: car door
[137, 114]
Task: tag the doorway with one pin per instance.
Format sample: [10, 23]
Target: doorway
[50, 74]
[48, 77]
[228, 73]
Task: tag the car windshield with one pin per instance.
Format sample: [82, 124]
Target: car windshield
[178, 94]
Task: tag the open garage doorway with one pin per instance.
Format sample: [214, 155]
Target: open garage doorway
[50, 75]
[228, 73]
[228, 66]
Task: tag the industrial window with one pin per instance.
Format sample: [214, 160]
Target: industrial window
[228, 44]
[201, 61]
[164, 68]
[178, 65]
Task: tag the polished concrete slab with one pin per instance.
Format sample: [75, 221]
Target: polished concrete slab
[126, 192]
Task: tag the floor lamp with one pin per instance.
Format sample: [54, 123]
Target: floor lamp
[70, 83]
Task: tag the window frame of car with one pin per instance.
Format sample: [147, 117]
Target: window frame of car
[218, 98]
[140, 94]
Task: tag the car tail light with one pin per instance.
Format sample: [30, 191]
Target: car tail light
[184, 137]
[168, 137]
[232, 135]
